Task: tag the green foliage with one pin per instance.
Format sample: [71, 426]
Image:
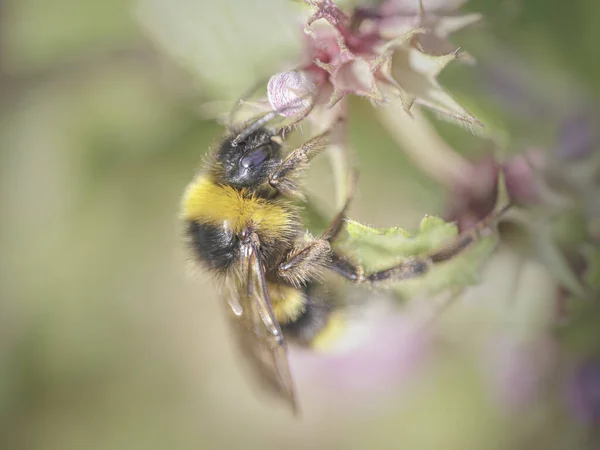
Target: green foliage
[377, 249]
[381, 248]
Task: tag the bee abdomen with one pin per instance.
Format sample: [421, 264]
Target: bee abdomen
[314, 318]
[215, 246]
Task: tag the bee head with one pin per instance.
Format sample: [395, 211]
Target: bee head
[250, 162]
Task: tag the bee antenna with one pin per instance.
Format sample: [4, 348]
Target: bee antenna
[259, 123]
[245, 96]
[253, 127]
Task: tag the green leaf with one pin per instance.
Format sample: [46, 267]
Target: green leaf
[397, 241]
[377, 249]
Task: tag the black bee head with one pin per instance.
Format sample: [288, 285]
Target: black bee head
[250, 162]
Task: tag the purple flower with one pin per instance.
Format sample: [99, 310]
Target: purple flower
[578, 135]
[583, 392]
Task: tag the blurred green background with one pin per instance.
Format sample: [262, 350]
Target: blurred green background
[106, 343]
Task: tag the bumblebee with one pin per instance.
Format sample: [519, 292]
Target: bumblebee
[242, 223]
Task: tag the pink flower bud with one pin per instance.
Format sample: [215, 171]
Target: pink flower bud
[291, 93]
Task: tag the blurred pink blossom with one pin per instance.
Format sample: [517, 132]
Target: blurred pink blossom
[388, 357]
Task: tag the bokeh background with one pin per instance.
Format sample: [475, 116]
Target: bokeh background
[107, 343]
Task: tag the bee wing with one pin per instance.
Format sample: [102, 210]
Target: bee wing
[256, 329]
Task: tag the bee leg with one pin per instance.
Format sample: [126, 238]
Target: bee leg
[337, 223]
[407, 269]
[305, 262]
[345, 268]
[284, 177]
[416, 266]
[243, 99]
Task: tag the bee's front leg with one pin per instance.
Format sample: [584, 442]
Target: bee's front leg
[285, 176]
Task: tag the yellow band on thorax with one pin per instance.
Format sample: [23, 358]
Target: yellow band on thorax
[206, 201]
